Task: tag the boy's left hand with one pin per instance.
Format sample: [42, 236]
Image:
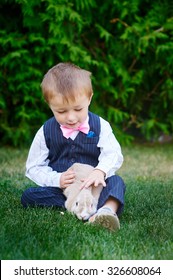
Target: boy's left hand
[96, 178]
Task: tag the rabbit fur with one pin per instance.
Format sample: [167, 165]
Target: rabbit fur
[82, 202]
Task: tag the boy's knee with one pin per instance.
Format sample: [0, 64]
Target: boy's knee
[117, 181]
[121, 182]
[26, 198]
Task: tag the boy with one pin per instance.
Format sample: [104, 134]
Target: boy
[74, 135]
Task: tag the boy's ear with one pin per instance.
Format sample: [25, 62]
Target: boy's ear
[90, 98]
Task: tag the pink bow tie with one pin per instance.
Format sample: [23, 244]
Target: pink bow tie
[84, 127]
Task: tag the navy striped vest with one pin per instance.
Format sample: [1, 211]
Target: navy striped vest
[64, 152]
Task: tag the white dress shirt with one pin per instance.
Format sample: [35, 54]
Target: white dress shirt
[37, 169]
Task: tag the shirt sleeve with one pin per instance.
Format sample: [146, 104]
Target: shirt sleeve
[111, 158]
[37, 168]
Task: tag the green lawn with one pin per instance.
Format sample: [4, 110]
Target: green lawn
[146, 224]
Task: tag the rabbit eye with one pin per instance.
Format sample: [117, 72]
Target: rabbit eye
[77, 203]
[91, 205]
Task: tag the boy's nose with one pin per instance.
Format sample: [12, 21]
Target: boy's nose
[71, 118]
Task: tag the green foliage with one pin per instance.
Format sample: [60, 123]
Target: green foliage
[127, 45]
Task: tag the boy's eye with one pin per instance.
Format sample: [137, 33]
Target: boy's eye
[78, 109]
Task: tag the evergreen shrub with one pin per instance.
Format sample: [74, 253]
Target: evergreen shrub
[127, 45]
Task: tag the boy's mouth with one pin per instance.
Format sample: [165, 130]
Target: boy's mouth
[72, 125]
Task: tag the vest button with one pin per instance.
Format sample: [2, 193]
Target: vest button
[73, 160]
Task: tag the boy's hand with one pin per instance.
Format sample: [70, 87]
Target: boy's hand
[67, 178]
[95, 178]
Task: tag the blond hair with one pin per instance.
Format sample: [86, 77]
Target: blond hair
[68, 80]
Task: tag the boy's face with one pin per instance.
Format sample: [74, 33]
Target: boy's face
[70, 114]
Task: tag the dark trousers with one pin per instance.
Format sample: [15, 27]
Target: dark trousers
[53, 196]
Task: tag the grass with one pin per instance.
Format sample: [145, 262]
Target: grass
[146, 223]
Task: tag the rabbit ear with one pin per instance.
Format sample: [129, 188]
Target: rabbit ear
[96, 191]
[71, 193]
[70, 202]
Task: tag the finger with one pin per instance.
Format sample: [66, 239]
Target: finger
[71, 173]
[69, 176]
[96, 182]
[86, 184]
[63, 187]
[69, 181]
[103, 183]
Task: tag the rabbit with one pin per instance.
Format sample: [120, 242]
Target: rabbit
[82, 202]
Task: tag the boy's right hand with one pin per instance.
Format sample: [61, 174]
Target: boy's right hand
[67, 178]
